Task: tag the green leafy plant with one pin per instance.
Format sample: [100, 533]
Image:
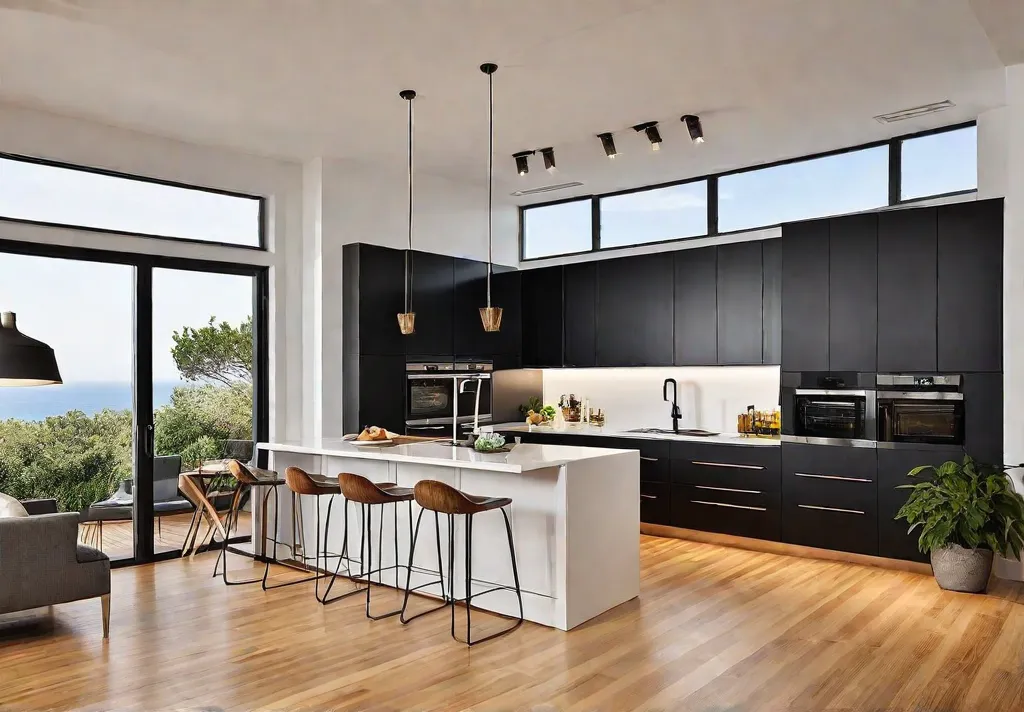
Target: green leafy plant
[971, 504]
[535, 404]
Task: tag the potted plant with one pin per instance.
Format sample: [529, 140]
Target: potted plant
[965, 512]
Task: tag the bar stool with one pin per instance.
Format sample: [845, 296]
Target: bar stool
[438, 497]
[251, 479]
[302, 483]
[367, 495]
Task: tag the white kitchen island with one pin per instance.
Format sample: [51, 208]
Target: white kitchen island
[575, 518]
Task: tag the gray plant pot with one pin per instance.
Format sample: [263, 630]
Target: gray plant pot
[960, 569]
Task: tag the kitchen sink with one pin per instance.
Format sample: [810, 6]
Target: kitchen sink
[668, 431]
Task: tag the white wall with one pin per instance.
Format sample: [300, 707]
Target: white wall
[710, 397]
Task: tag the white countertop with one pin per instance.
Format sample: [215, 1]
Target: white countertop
[587, 429]
[522, 458]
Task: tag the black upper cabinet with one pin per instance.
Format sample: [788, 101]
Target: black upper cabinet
[771, 307]
[506, 292]
[739, 303]
[634, 311]
[542, 317]
[970, 286]
[853, 293]
[471, 341]
[907, 290]
[373, 294]
[433, 301]
[579, 295]
[805, 318]
[696, 307]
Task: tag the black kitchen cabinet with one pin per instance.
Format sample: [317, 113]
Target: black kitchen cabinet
[805, 292]
[853, 293]
[696, 307]
[433, 301]
[739, 303]
[907, 290]
[470, 339]
[579, 295]
[893, 465]
[542, 317]
[506, 292]
[373, 294]
[374, 388]
[655, 503]
[983, 416]
[970, 286]
[634, 311]
[771, 307]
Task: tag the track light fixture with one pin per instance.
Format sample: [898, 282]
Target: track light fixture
[522, 161]
[651, 129]
[549, 159]
[693, 126]
[609, 144]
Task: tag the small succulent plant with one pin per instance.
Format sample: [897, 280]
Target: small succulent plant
[488, 442]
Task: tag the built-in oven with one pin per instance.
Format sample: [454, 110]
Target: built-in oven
[829, 408]
[921, 409]
[441, 394]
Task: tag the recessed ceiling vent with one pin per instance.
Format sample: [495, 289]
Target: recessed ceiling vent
[914, 112]
[547, 188]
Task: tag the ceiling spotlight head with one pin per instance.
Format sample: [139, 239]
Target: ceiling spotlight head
[522, 162]
[693, 126]
[609, 144]
[407, 94]
[549, 159]
[653, 135]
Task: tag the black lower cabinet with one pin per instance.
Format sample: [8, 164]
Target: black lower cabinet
[655, 503]
[829, 497]
[893, 465]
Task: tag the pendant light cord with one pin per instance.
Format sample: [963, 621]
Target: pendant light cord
[408, 254]
[490, 178]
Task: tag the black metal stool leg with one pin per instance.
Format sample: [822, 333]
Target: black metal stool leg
[518, 590]
[440, 571]
[342, 558]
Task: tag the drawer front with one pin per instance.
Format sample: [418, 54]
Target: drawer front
[655, 460]
[840, 463]
[735, 467]
[835, 528]
[655, 503]
[803, 488]
[749, 514]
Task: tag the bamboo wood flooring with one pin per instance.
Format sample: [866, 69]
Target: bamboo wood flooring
[715, 630]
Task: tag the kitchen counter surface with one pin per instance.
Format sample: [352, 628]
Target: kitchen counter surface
[523, 458]
[593, 431]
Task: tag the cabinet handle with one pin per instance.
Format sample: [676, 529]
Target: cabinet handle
[727, 489]
[832, 477]
[726, 464]
[648, 496]
[731, 506]
[648, 459]
[830, 509]
[430, 427]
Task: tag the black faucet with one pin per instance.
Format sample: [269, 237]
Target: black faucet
[676, 414]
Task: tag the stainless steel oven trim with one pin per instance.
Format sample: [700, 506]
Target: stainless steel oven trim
[484, 419]
[433, 376]
[920, 395]
[438, 367]
[843, 442]
[830, 392]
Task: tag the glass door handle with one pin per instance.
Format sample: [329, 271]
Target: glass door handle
[148, 444]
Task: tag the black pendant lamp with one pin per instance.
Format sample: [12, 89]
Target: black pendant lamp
[24, 361]
[407, 319]
[490, 315]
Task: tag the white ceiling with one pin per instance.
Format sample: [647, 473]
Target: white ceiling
[304, 78]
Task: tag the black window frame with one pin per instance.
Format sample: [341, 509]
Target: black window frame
[895, 146]
[261, 203]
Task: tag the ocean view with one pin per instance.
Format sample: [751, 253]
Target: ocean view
[37, 403]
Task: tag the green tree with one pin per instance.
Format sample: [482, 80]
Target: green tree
[215, 352]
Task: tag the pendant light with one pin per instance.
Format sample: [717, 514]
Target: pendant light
[24, 361]
[407, 319]
[490, 315]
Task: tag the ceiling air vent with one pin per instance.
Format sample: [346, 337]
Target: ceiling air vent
[547, 188]
[914, 112]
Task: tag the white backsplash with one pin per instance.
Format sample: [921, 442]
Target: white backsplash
[710, 397]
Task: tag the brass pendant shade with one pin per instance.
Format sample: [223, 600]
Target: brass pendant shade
[407, 319]
[490, 316]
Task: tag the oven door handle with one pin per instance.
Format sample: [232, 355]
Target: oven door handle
[847, 404]
[827, 392]
[920, 395]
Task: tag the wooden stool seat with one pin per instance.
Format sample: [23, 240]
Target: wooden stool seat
[301, 482]
[439, 497]
[249, 475]
[357, 488]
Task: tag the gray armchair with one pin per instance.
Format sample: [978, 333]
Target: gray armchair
[42, 564]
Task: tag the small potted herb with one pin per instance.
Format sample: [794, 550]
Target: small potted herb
[965, 513]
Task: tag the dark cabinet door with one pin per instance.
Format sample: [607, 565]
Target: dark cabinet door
[433, 301]
[374, 392]
[983, 416]
[470, 295]
[696, 307]
[805, 319]
[373, 294]
[853, 293]
[739, 303]
[579, 295]
[634, 311]
[542, 317]
[655, 503]
[771, 305]
[907, 290]
[506, 292]
[893, 465]
[970, 286]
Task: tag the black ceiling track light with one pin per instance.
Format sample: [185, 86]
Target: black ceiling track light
[608, 142]
[693, 126]
[522, 161]
[549, 159]
[653, 135]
